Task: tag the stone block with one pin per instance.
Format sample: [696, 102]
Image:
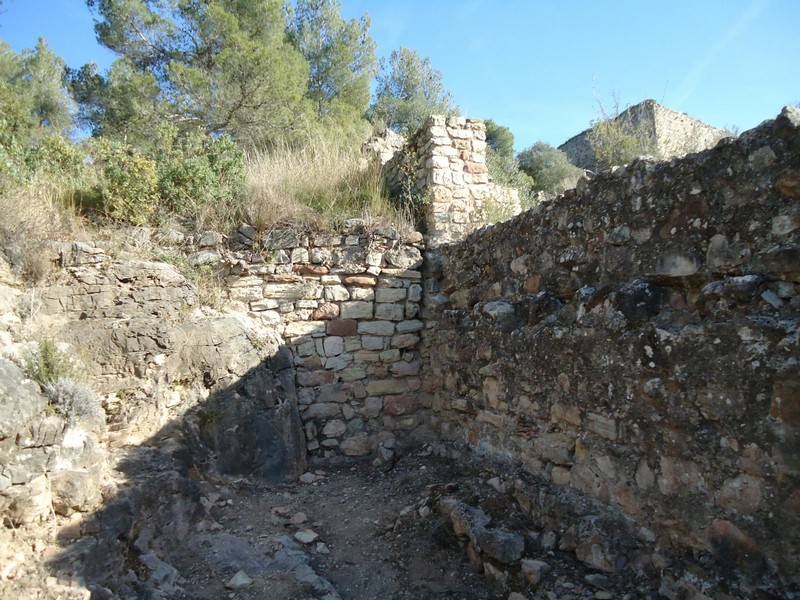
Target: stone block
[367, 356]
[352, 373]
[384, 328]
[409, 326]
[333, 345]
[390, 312]
[361, 280]
[357, 445]
[322, 411]
[405, 340]
[314, 378]
[342, 327]
[371, 342]
[357, 310]
[336, 293]
[337, 363]
[602, 426]
[390, 294]
[289, 291]
[372, 407]
[361, 293]
[334, 429]
[399, 405]
[557, 448]
[304, 328]
[383, 387]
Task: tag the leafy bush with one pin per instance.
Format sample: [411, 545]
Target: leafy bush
[49, 363]
[617, 142]
[505, 171]
[129, 181]
[196, 172]
[550, 168]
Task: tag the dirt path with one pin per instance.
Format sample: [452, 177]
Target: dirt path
[377, 537]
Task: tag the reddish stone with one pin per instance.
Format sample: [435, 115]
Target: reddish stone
[532, 284]
[789, 184]
[314, 378]
[786, 402]
[792, 503]
[475, 168]
[311, 270]
[361, 280]
[399, 405]
[472, 437]
[326, 312]
[343, 327]
[731, 542]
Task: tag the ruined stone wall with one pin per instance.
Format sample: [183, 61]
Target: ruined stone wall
[669, 133]
[347, 306]
[444, 167]
[636, 341]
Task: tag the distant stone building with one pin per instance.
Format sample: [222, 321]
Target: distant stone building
[668, 133]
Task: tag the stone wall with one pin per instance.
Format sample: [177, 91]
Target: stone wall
[670, 134]
[443, 165]
[635, 341]
[347, 306]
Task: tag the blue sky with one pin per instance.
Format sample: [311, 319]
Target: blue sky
[538, 66]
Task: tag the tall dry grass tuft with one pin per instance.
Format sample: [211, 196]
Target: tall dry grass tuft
[33, 215]
[319, 184]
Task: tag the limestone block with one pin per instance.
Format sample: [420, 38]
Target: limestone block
[369, 355]
[363, 294]
[390, 294]
[405, 340]
[289, 291]
[336, 293]
[353, 372]
[357, 445]
[370, 342]
[383, 328]
[383, 387]
[357, 310]
[335, 428]
[410, 326]
[264, 304]
[322, 411]
[390, 312]
[337, 363]
[333, 345]
[302, 328]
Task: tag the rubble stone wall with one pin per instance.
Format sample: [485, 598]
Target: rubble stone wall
[347, 306]
[636, 341]
[443, 165]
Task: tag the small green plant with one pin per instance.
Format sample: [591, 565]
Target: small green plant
[49, 363]
[58, 374]
[129, 182]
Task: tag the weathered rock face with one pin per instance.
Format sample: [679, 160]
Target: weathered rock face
[46, 462]
[156, 361]
[636, 340]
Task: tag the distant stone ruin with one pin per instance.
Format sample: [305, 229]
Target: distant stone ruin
[669, 133]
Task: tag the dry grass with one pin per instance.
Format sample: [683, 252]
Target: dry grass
[32, 216]
[319, 184]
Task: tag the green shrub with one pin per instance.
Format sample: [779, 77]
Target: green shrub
[198, 174]
[550, 168]
[48, 364]
[129, 182]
